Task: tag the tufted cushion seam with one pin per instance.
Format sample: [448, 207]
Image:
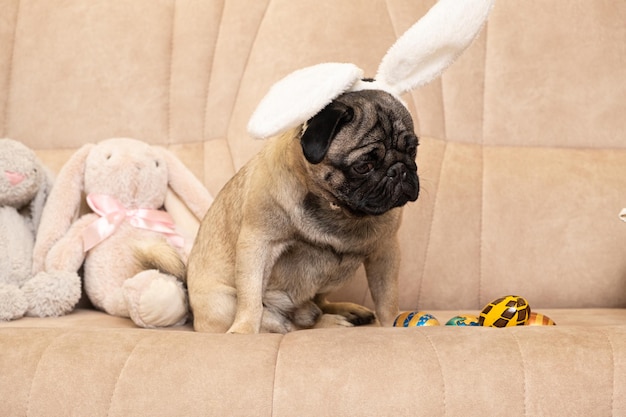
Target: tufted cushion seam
[524, 373]
[481, 222]
[32, 382]
[443, 379]
[613, 365]
[430, 224]
[208, 84]
[168, 102]
[5, 122]
[237, 93]
[280, 343]
[119, 376]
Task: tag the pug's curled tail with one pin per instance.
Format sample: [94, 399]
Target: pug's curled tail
[161, 256]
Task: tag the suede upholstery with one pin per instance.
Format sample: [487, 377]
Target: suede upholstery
[523, 168]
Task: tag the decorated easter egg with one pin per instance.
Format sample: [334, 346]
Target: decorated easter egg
[538, 319]
[508, 311]
[415, 318]
[463, 320]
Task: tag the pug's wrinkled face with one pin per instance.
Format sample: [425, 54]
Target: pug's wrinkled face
[361, 150]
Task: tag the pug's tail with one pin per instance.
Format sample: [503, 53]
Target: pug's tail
[161, 256]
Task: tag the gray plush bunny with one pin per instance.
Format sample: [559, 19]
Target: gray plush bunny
[24, 187]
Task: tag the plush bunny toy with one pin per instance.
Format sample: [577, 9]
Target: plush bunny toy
[133, 256]
[24, 187]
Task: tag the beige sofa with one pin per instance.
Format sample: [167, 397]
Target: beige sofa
[523, 168]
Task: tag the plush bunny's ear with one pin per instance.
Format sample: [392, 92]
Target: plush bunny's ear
[38, 203]
[62, 206]
[187, 195]
[300, 95]
[432, 44]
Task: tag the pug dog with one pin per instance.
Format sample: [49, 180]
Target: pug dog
[301, 216]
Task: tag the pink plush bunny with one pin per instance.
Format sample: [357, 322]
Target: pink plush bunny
[133, 255]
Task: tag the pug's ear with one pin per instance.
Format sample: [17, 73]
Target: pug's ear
[322, 128]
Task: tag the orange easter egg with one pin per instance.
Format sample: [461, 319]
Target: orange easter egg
[538, 319]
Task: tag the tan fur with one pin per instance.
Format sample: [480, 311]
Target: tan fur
[159, 255]
[278, 238]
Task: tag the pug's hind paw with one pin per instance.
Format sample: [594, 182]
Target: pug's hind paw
[356, 314]
[332, 320]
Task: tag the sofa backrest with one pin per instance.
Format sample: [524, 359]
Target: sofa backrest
[523, 156]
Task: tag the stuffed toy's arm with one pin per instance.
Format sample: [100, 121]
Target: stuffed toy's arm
[61, 206]
[67, 253]
[55, 287]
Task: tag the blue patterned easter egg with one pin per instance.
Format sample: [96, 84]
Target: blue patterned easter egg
[415, 318]
[463, 320]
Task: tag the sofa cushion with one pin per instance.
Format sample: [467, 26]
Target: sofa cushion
[88, 363]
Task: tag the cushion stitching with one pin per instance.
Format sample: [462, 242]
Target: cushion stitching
[9, 79]
[32, 383]
[443, 380]
[523, 363]
[393, 25]
[610, 342]
[238, 90]
[170, 74]
[119, 376]
[210, 77]
[482, 173]
[430, 225]
[274, 379]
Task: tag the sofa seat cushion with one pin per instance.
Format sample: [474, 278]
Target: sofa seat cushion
[75, 365]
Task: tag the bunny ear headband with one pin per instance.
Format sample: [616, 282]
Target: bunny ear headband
[420, 55]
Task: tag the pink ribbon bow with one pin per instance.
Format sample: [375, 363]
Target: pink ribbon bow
[113, 213]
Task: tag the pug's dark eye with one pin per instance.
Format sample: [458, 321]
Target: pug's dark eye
[363, 168]
[412, 151]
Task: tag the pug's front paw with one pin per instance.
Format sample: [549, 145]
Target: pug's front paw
[242, 328]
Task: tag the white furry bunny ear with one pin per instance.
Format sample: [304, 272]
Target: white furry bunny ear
[420, 55]
[300, 96]
[432, 44]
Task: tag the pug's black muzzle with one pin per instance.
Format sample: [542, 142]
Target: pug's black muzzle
[399, 186]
